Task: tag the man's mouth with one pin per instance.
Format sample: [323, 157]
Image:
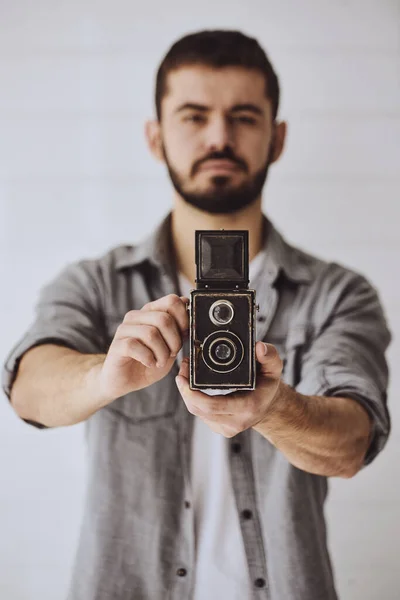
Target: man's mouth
[219, 165]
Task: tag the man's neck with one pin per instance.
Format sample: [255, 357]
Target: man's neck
[186, 219]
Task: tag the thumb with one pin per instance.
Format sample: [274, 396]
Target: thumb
[271, 364]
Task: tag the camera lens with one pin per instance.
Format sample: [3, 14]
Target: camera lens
[223, 352]
[221, 312]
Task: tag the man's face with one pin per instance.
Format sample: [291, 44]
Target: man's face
[217, 136]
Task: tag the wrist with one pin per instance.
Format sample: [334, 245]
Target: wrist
[281, 411]
[94, 382]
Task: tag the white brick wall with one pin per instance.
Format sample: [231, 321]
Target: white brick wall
[76, 83]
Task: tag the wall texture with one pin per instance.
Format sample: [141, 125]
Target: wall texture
[76, 83]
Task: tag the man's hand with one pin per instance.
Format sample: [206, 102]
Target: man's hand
[233, 413]
[144, 347]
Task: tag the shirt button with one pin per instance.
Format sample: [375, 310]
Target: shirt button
[181, 572]
[247, 514]
[236, 447]
[187, 504]
[260, 582]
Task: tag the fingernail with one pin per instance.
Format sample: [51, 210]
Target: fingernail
[178, 381]
[265, 348]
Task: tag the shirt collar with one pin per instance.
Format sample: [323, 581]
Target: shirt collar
[279, 255]
[156, 248]
[282, 257]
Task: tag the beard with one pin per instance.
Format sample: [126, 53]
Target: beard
[221, 198]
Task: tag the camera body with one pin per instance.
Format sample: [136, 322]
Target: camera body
[222, 313]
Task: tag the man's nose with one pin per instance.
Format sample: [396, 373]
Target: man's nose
[219, 134]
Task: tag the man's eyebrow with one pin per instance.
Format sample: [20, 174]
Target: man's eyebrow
[236, 108]
[248, 108]
[192, 106]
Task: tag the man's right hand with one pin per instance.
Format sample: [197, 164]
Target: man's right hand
[144, 347]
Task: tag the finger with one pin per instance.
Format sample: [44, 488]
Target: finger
[173, 305]
[133, 348]
[271, 364]
[168, 328]
[184, 368]
[150, 337]
[199, 402]
[164, 322]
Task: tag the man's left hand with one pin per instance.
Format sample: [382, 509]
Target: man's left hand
[232, 413]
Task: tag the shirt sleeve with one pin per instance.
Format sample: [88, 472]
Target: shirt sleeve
[68, 313]
[347, 356]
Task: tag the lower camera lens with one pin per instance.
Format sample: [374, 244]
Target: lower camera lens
[223, 352]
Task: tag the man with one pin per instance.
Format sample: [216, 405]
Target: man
[193, 496]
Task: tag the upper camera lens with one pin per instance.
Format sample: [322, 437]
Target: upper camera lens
[221, 312]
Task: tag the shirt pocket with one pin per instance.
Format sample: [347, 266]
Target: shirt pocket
[156, 401]
[296, 344]
[159, 400]
[290, 348]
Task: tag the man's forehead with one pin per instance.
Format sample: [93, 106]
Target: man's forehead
[217, 86]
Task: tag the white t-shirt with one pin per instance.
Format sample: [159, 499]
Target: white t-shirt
[221, 565]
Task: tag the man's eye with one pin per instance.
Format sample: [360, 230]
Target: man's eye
[247, 120]
[195, 118]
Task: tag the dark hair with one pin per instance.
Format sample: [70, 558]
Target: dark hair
[218, 48]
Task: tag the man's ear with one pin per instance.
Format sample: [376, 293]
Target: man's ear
[279, 138]
[154, 140]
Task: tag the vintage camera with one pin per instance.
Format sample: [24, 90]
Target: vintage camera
[222, 313]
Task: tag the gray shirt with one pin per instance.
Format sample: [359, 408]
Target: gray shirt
[137, 537]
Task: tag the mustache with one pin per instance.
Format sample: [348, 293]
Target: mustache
[225, 155]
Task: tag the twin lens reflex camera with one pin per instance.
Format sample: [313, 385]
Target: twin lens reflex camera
[222, 313]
